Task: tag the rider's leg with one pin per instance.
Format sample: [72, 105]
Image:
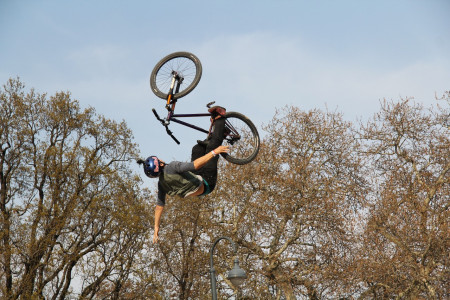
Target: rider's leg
[198, 151]
[217, 112]
[217, 134]
[209, 171]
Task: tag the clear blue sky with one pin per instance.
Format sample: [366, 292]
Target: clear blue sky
[257, 55]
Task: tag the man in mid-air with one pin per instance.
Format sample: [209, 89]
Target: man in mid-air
[185, 179]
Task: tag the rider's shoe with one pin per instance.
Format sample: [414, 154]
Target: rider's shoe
[217, 111]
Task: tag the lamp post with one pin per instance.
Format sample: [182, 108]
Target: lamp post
[236, 275]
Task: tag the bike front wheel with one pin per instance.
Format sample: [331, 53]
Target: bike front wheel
[185, 64]
[242, 137]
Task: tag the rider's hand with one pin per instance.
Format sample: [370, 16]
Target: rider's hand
[222, 149]
[155, 237]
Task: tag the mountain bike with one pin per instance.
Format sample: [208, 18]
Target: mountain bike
[175, 76]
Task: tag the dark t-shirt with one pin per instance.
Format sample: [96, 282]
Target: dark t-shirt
[177, 178]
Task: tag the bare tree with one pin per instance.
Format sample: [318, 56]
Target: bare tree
[405, 247]
[292, 211]
[181, 255]
[70, 206]
[326, 211]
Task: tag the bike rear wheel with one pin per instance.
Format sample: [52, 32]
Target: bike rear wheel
[242, 137]
[185, 64]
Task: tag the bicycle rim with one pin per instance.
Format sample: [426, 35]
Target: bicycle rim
[243, 139]
[186, 64]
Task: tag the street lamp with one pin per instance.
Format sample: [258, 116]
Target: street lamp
[236, 275]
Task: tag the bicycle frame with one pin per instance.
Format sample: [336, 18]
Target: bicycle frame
[168, 82]
[173, 117]
[170, 106]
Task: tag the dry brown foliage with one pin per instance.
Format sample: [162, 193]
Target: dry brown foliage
[328, 210]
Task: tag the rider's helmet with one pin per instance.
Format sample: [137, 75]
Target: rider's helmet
[152, 167]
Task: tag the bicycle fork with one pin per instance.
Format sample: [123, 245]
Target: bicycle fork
[171, 101]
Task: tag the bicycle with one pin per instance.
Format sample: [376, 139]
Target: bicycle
[175, 76]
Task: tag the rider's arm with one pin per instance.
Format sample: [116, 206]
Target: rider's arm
[158, 212]
[160, 202]
[201, 161]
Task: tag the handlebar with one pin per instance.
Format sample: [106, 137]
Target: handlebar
[166, 125]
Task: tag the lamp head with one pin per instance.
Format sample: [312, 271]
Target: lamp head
[236, 275]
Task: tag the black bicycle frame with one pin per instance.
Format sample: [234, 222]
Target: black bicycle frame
[173, 117]
[171, 101]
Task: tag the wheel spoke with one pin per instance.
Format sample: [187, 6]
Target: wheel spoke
[242, 141]
[185, 64]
